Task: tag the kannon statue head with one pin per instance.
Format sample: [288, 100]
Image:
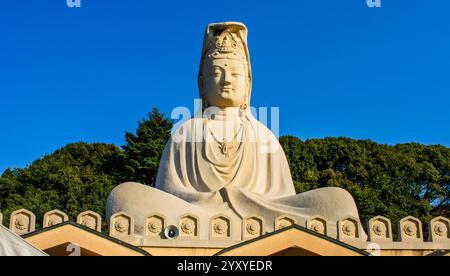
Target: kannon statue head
[225, 72]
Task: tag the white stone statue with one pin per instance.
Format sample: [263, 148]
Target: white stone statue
[225, 162]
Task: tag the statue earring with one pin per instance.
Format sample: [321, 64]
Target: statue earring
[205, 104]
[244, 105]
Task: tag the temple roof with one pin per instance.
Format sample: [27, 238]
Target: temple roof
[70, 238]
[293, 241]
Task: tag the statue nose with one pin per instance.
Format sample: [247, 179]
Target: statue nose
[226, 79]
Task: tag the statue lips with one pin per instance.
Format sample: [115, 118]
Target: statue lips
[226, 91]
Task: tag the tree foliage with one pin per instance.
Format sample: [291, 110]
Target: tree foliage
[143, 150]
[74, 179]
[393, 181]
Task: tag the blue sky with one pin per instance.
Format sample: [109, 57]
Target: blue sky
[335, 68]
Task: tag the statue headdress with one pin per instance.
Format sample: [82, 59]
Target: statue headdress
[226, 40]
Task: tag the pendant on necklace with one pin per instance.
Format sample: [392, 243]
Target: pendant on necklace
[225, 148]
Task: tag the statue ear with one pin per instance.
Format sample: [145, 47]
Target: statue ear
[205, 103]
[202, 85]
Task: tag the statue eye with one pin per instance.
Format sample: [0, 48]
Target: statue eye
[237, 74]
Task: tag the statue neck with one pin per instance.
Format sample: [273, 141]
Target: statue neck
[224, 124]
[224, 114]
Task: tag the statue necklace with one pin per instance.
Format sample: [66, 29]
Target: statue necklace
[224, 146]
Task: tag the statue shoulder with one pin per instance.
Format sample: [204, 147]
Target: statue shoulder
[261, 129]
[264, 137]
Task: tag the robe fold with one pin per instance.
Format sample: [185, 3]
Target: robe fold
[250, 180]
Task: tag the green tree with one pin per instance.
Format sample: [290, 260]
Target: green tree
[394, 181]
[76, 178]
[143, 150]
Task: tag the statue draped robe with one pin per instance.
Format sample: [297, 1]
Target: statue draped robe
[254, 180]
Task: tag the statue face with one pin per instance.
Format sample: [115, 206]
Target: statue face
[225, 82]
